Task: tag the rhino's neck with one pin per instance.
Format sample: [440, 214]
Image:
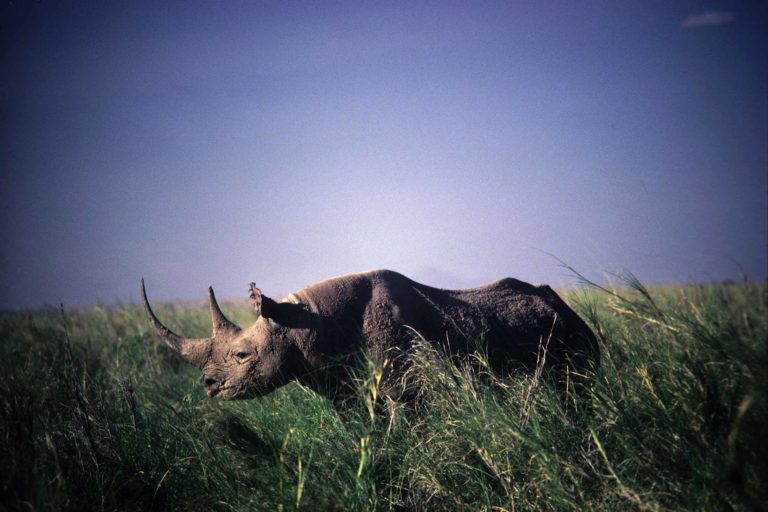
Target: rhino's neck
[335, 334]
[304, 340]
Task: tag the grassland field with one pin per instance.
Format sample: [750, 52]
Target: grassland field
[97, 414]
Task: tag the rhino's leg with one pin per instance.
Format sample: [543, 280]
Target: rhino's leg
[571, 371]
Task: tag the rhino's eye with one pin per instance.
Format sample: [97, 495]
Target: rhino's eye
[242, 355]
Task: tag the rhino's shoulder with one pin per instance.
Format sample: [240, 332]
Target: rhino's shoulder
[506, 284]
[337, 293]
[357, 278]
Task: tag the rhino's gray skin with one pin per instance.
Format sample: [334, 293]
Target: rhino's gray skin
[312, 335]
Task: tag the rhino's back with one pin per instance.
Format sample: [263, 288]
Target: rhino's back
[408, 301]
[509, 316]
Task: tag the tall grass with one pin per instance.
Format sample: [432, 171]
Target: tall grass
[96, 414]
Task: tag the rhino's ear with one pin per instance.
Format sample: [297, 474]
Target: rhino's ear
[262, 305]
[285, 314]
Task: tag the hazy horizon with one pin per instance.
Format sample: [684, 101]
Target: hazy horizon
[198, 144]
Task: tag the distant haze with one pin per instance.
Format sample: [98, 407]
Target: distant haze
[197, 143]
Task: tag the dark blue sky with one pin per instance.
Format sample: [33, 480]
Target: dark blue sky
[203, 143]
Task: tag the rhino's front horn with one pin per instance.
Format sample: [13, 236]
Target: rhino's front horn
[219, 321]
[196, 351]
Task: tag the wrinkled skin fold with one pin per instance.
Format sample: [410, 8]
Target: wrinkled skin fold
[316, 332]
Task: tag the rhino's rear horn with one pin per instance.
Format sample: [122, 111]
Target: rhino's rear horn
[220, 323]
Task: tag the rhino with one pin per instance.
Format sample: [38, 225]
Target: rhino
[316, 333]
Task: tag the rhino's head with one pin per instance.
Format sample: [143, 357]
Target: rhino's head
[243, 363]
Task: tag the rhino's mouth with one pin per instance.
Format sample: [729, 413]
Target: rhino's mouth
[237, 389]
[222, 390]
[230, 392]
[237, 392]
